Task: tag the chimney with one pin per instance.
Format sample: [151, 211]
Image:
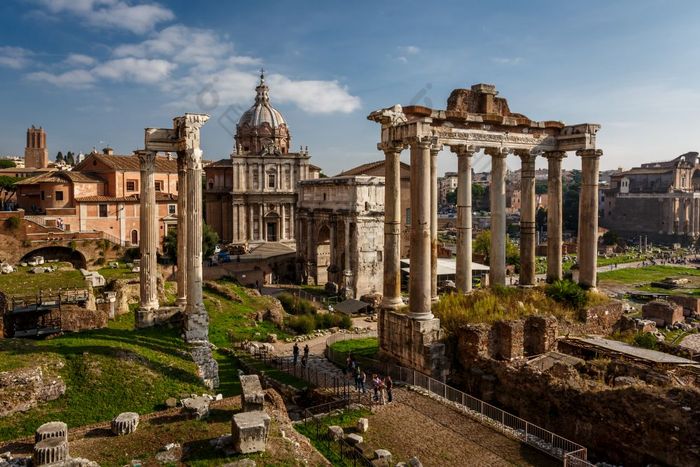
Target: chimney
[108, 151]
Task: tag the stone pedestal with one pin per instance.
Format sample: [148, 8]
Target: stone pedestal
[198, 406]
[125, 423]
[249, 431]
[392, 230]
[554, 215]
[50, 451]
[252, 394]
[51, 430]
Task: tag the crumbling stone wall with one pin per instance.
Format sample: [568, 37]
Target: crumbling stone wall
[473, 342]
[688, 302]
[76, 318]
[631, 425]
[508, 337]
[25, 388]
[413, 343]
[662, 312]
[602, 319]
[540, 334]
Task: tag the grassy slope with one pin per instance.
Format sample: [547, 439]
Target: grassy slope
[24, 283]
[365, 347]
[644, 276]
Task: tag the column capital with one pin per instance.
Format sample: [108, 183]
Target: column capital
[527, 156]
[465, 149]
[554, 155]
[193, 157]
[498, 152]
[147, 160]
[391, 148]
[596, 153]
[424, 142]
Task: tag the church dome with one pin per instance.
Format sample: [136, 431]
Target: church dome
[262, 127]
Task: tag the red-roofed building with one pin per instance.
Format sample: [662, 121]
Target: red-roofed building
[100, 194]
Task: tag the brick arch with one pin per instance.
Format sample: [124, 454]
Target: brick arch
[61, 253]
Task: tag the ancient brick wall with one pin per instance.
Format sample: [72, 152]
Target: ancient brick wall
[509, 339]
[602, 319]
[540, 334]
[688, 302]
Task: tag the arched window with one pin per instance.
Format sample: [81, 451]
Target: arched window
[134, 237]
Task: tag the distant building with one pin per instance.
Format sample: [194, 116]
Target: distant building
[36, 154]
[660, 200]
[251, 197]
[102, 193]
[446, 184]
[17, 160]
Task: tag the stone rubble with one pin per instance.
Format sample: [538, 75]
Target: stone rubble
[197, 406]
[125, 423]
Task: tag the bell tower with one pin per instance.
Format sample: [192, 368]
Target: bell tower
[36, 155]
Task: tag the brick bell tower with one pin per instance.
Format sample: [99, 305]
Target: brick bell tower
[36, 155]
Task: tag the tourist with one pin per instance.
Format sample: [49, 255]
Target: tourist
[295, 353]
[348, 361]
[304, 360]
[363, 380]
[375, 387]
[306, 351]
[388, 384]
[358, 374]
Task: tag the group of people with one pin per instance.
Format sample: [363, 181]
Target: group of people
[382, 387]
[304, 359]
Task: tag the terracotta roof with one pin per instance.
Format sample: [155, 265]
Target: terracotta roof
[364, 168]
[62, 176]
[126, 163]
[126, 199]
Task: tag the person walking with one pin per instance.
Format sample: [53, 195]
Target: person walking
[303, 361]
[375, 387]
[363, 380]
[306, 351]
[382, 397]
[388, 384]
[357, 375]
[295, 353]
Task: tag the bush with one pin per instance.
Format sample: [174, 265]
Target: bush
[12, 223]
[295, 305]
[130, 254]
[303, 324]
[568, 293]
[645, 340]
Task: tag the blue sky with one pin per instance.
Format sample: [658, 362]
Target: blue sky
[96, 72]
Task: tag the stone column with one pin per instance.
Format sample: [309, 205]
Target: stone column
[283, 222]
[251, 223]
[181, 229]
[588, 217]
[392, 229]
[196, 318]
[148, 244]
[333, 253]
[527, 219]
[670, 216]
[420, 280]
[346, 264]
[464, 217]
[497, 254]
[261, 222]
[433, 223]
[554, 215]
[682, 223]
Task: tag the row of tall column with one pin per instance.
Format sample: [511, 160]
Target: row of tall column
[683, 215]
[423, 238]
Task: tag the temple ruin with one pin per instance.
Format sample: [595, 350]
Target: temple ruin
[475, 120]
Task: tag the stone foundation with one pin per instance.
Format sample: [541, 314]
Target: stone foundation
[602, 319]
[508, 337]
[249, 431]
[196, 325]
[207, 366]
[413, 343]
[253, 396]
[540, 334]
[662, 312]
[687, 302]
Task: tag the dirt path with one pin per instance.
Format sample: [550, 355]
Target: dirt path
[415, 425]
[317, 345]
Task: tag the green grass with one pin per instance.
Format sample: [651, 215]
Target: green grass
[367, 347]
[106, 371]
[346, 420]
[118, 273]
[646, 274]
[24, 283]
[620, 259]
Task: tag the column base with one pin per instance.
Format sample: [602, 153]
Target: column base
[196, 324]
[181, 302]
[145, 318]
[391, 303]
[421, 316]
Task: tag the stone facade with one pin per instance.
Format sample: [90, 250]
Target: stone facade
[341, 229]
[659, 199]
[251, 197]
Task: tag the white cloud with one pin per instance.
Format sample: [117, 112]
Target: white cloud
[137, 70]
[69, 79]
[506, 60]
[121, 14]
[14, 57]
[409, 50]
[314, 96]
[79, 60]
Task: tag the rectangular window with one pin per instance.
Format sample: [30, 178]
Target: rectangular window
[271, 181]
[131, 185]
[59, 196]
[103, 210]
[172, 209]
[159, 185]
[43, 197]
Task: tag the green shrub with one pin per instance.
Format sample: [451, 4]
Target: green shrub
[646, 340]
[568, 293]
[332, 320]
[302, 324]
[12, 223]
[130, 254]
[295, 305]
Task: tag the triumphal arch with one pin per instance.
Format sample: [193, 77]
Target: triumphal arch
[475, 119]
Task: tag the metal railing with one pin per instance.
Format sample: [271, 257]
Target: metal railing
[573, 454]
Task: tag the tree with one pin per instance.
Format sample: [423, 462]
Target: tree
[451, 197]
[610, 238]
[482, 246]
[478, 192]
[541, 187]
[7, 164]
[571, 194]
[541, 219]
[70, 159]
[59, 157]
[7, 188]
[209, 241]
